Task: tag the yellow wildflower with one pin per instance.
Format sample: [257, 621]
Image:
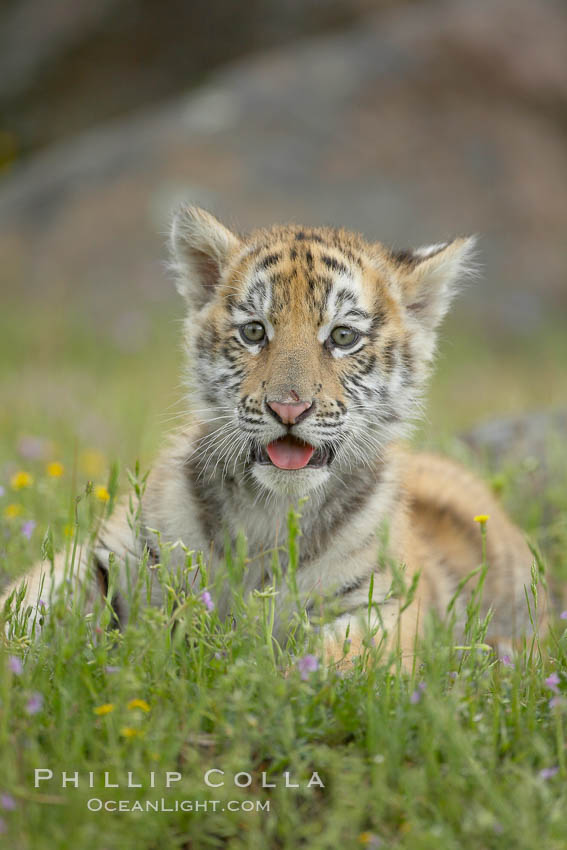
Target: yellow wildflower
[101, 493]
[368, 839]
[105, 708]
[69, 530]
[129, 732]
[55, 469]
[482, 518]
[139, 703]
[20, 480]
[12, 511]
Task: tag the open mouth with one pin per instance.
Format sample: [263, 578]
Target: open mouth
[291, 453]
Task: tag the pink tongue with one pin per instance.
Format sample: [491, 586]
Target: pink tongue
[287, 453]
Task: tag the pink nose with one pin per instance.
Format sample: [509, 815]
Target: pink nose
[287, 412]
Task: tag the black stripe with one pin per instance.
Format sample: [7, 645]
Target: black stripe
[354, 584]
[118, 618]
[357, 313]
[388, 355]
[269, 260]
[302, 236]
[334, 264]
[344, 295]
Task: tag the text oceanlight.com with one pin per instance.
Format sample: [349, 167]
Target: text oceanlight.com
[95, 804]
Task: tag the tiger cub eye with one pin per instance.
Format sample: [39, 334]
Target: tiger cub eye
[344, 337]
[253, 332]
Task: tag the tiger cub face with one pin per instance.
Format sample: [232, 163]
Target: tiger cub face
[308, 348]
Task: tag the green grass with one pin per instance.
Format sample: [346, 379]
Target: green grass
[448, 756]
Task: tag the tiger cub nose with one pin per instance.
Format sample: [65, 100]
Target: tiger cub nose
[290, 412]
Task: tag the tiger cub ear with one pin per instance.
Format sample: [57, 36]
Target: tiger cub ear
[200, 249]
[429, 277]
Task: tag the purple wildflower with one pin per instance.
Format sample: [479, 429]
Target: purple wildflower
[306, 665]
[207, 601]
[453, 674]
[15, 665]
[42, 605]
[563, 615]
[35, 703]
[415, 697]
[548, 772]
[552, 681]
[7, 802]
[506, 661]
[110, 669]
[2, 491]
[28, 528]
[555, 701]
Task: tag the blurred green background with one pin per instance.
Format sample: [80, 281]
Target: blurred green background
[409, 121]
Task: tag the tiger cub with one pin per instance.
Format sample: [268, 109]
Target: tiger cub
[308, 351]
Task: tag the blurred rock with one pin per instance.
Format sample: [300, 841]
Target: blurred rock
[530, 437]
[65, 66]
[526, 456]
[417, 123]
